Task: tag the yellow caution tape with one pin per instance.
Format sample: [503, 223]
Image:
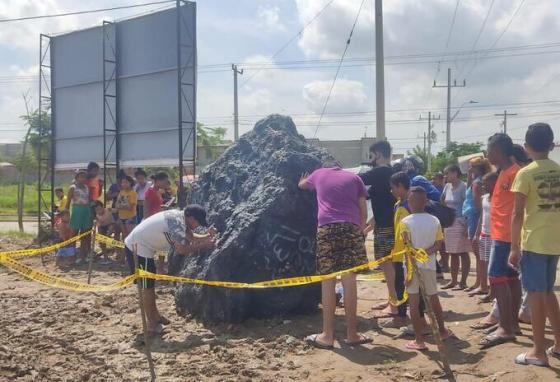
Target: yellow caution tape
[39, 251]
[408, 253]
[108, 241]
[58, 282]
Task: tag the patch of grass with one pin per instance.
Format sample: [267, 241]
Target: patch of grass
[8, 199]
[17, 235]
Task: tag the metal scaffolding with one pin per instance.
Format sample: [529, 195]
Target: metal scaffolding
[45, 160]
[184, 62]
[111, 138]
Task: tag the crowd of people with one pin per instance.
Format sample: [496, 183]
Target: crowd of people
[505, 211]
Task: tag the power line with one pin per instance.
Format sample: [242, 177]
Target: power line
[85, 11]
[448, 37]
[338, 69]
[479, 33]
[287, 43]
[501, 34]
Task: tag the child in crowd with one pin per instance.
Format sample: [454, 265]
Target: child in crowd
[105, 226]
[457, 243]
[400, 185]
[80, 218]
[65, 255]
[438, 180]
[140, 188]
[504, 280]
[536, 220]
[485, 244]
[126, 206]
[93, 181]
[472, 210]
[62, 201]
[422, 230]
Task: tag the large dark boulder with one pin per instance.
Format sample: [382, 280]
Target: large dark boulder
[267, 227]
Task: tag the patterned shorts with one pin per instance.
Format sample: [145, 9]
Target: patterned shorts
[485, 247]
[339, 246]
[383, 241]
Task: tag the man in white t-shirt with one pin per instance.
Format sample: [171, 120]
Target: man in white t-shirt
[422, 230]
[161, 232]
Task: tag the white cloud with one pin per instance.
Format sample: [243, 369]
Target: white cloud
[269, 18]
[346, 96]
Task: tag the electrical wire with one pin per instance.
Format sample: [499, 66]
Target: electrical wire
[291, 39]
[85, 11]
[338, 69]
[438, 68]
[479, 34]
[501, 34]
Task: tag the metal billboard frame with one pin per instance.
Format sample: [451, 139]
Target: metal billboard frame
[111, 134]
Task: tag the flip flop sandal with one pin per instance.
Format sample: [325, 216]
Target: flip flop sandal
[459, 287]
[490, 329]
[522, 359]
[494, 340]
[486, 299]
[478, 293]
[312, 340]
[482, 325]
[384, 315]
[380, 306]
[448, 286]
[412, 345]
[550, 351]
[470, 289]
[363, 340]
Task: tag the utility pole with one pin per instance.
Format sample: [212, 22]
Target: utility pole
[235, 106]
[505, 115]
[449, 86]
[379, 73]
[430, 137]
[424, 149]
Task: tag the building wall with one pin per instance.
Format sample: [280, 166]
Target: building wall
[348, 153]
[10, 149]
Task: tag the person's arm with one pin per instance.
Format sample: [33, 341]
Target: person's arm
[434, 248]
[201, 242]
[363, 211]
[516, 226]
[477, 196]
[442, 199]
[148, 203]
[70, 197]
[476, 238]
[370, 226]
[303, 183]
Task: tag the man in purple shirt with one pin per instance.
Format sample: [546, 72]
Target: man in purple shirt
[342, 216]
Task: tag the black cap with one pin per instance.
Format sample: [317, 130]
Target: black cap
[198, 212]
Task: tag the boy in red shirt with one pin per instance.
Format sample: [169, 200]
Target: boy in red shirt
[504, 280]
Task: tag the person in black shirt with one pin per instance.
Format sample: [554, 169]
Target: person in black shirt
[382, 224]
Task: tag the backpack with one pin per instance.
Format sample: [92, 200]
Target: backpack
[445, 215]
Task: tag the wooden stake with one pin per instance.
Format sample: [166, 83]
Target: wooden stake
[92, 252]
[147, 339]
[433, 323]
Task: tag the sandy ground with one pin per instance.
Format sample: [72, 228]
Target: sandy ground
[55, 335]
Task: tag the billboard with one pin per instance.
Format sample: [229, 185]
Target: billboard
[134, 79]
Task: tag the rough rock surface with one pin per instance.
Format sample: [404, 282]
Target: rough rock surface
[267, 226]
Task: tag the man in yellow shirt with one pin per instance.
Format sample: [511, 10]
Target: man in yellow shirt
[535, 226]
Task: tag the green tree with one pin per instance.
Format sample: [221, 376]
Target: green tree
[454, 151]
[210, 138]
[35, 139]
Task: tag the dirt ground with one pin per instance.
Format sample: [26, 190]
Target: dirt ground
[56, 335]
